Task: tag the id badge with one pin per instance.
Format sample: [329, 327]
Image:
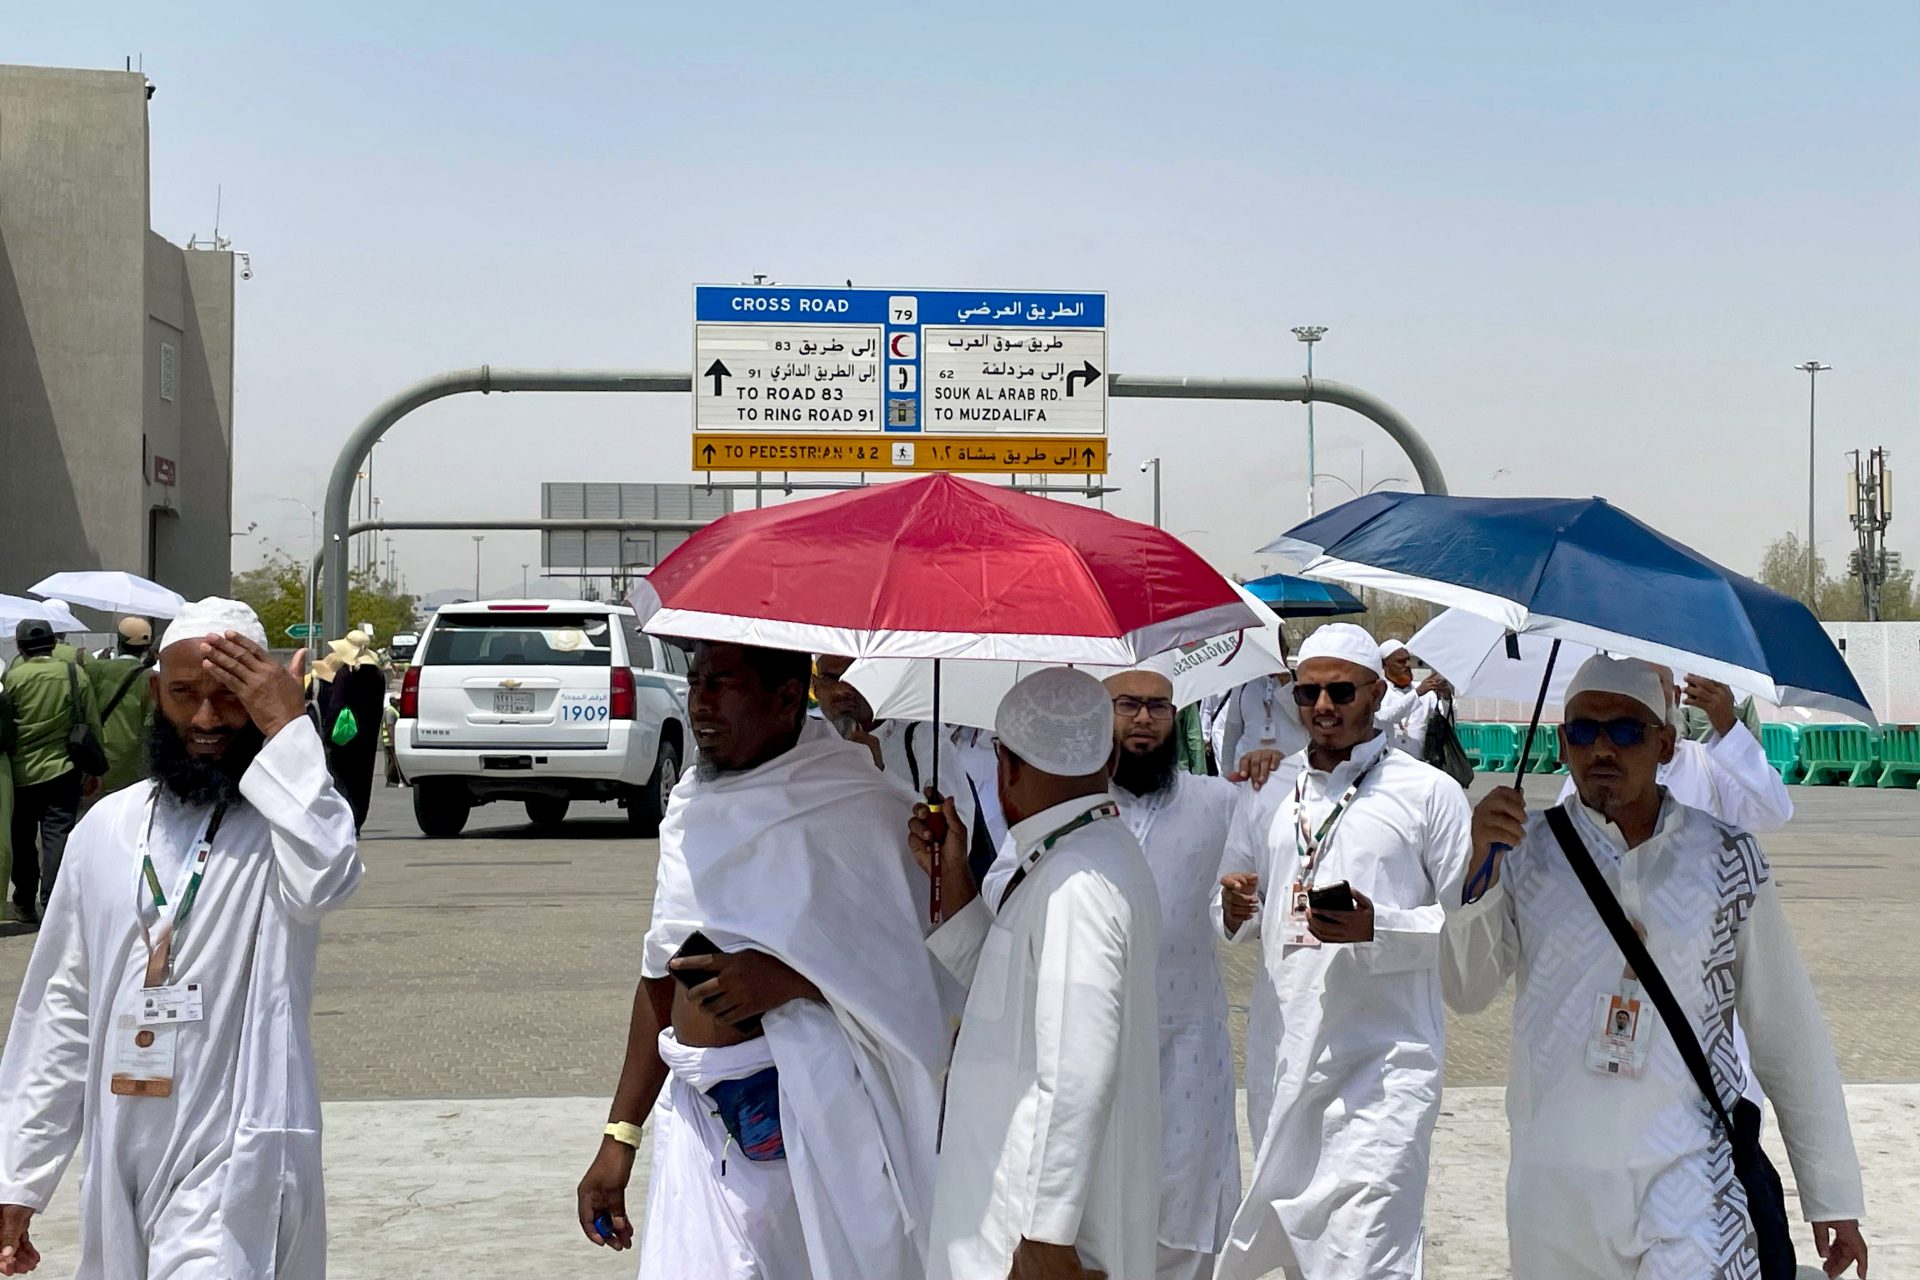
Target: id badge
[1296, 933]
[170, 1006]
[142, 1058]
[1621, 1036]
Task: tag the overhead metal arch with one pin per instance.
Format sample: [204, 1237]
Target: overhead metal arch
[486, 380]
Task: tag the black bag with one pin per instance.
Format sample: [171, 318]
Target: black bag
[1442, 749]
[9, 724]
[83, 747]
[1766, 1198]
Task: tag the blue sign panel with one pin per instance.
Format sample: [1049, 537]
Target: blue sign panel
[774, 358]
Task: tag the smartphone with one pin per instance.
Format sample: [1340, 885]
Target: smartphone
[697, 944]
[1332, 897]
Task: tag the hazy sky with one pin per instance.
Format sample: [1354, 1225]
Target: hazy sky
[1580, 247]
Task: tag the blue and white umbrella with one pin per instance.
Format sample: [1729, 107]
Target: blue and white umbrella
[1582, 570]
[1295, 597]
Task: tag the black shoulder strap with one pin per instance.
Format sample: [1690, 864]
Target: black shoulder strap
[1644, 969]
[73, 690]
[107, 711]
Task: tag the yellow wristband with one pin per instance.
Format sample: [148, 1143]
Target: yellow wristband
[622, 1132]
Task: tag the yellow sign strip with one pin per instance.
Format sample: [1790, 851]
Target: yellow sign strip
[874, 452]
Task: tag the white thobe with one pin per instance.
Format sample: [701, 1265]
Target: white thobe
[805, 858]
[1183, 830]
[223, 1179]
[1339, 1185]
[1053, 1103]
[1615, 1178]
[1727, 776]
[1247, 851]
[1403, 717]
[1259, 715]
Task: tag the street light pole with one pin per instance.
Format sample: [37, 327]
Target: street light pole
[478, 538]
[1813, 369]
[1310, 334]
[1155, 464]
[523, 580]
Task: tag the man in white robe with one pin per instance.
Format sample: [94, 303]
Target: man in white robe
[1258, 716]
[1339, 1183]
[1619, 1169]
[165, 1007]
[782, 849]
[1180, 820]
[1050, 1162]
[1407, 708]
[1725, 774]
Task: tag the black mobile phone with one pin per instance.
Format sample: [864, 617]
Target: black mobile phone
[697, 944]
[1332, 897]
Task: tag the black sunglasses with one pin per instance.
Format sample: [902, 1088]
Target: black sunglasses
[1342, 692]
[1623, 732]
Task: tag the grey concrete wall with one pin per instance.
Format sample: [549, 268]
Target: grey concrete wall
[196, 551]
[73, 241]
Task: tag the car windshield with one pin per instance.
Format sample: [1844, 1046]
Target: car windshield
[543, 640]
[401, 650]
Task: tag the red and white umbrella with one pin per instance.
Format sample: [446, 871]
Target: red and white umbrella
[940, 567]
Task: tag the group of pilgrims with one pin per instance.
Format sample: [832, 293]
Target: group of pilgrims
[1035, 1077]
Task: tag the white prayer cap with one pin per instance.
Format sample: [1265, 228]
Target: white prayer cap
[1390, 647]
[1346, 642]
[1058, 720]
[1628, 677]
[213, 616]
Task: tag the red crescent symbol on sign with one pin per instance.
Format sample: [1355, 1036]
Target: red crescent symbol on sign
[894, 344]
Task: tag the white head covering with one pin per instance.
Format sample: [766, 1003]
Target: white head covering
[1389, 647]
[213, 616]
[1058, 720]
[1628, 677]
[1346, 642]
[356, 650]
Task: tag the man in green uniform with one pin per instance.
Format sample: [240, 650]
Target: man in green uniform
[49, 697]
[124, 695]
[9, 732]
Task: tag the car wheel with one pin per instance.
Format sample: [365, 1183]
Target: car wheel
[441, 807]
[647, 806]
[547, 811]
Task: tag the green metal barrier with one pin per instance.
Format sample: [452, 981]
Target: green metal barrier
[1900, 753]
[1469, 736]
[1545, 755]
[1836, 755]
[1500, 747]
[1782, 745]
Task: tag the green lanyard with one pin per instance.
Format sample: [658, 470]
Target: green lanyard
[1308, 847]
[203, 850]
[1106, 809]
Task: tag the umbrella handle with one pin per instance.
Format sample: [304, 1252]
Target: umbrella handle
[936, 809]
[1483, 878]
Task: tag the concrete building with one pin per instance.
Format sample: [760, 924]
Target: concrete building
[116, 349]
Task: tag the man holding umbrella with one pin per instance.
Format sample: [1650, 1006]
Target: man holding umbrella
[1623, 1164]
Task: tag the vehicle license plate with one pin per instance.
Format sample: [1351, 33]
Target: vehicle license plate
[512, 704]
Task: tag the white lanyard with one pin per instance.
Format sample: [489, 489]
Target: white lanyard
[1309, 844]
[146, 892]
[1139, 815]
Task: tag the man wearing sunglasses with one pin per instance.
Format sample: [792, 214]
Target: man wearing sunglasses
[1619, 1167]
[1725, 773]
[1370, 842]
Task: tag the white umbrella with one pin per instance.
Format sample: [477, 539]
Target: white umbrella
[15, 610]
[971, 689]
[1472, 652]
[114, 592]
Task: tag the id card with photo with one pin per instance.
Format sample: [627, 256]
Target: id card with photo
[1621, 1036]
[170, 1006]
[1296, 933]
[143, 1058]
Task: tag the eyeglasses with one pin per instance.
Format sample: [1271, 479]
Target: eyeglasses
[1156, 708]
[1308, 695]
[1623, 732]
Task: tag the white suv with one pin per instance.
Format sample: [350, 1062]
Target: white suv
[542, 701]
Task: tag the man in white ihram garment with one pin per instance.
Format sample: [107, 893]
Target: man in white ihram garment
[1361, 852]
[1180, 819]
[1050, 1159]
[1620, 1170]
[1726, 774]
[165, 1007]
[789, 1030]
[1258, 716]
